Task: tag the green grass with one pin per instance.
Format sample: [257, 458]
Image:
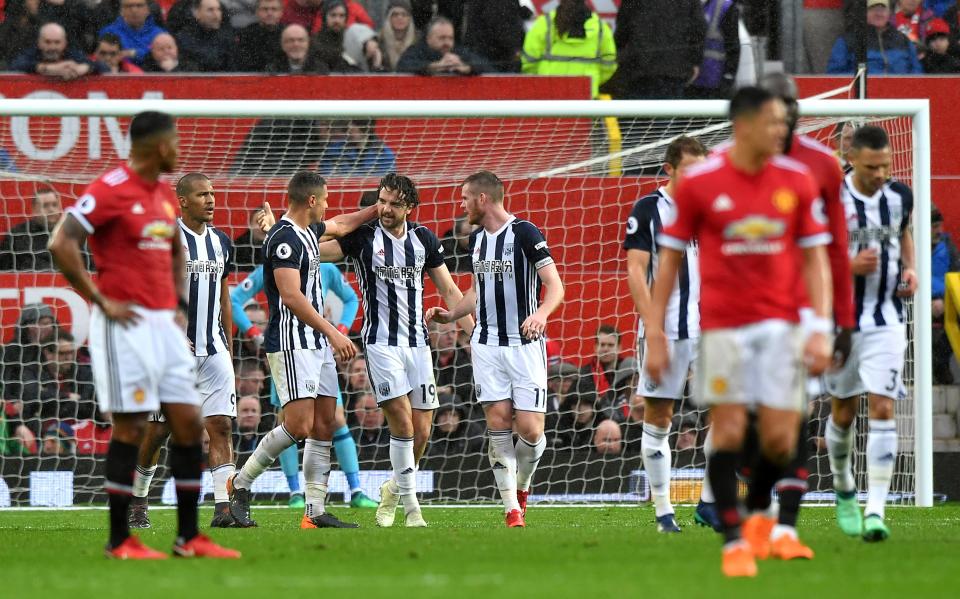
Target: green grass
[570, 552]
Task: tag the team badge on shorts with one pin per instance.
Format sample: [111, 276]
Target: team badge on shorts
[650, 387]
[478, 390]
[384, 388]
[311, 386]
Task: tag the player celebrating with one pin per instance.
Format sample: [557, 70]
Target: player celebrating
[300, 346]
[882, 260]
[389, 257]
[140, 357]
[331, 281]
[209, 260]
[683, 319]
[749, 209]
[511, 263]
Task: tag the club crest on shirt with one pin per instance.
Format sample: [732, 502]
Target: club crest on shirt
[784, 200]
[420, 256]
[168, 208]
[508, 249]
[383, 389]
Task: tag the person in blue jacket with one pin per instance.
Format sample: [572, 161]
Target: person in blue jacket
[889, 52]
[332, 281]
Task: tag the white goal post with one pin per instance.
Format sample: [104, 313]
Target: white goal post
[916, 111]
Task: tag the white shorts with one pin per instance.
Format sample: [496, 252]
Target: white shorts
[516, 372]
[757, 365]
[396, 371]
[217, 387]
[683, 356]
[138, 367]
[875, 365]
[303, 374]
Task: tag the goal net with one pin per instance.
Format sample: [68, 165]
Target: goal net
[573, 168]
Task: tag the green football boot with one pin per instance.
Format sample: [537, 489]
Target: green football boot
[848, 514]
[874, 529]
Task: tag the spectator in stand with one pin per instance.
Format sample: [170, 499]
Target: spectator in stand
[136, 29]
[304, 13]
[24, 247]
[659, 47]
[843, 133]
[913, 21]
[297, 56]
[889, 52]
[108, 53]
[247, 245]
[15, 439]
[357, 382]
[180, 16]
[246, 433]
[164, 57]
[577, 424]
[250, 379]
[59, 439]
[452, 365]
[937, 58]
[608, 440]
[616, 402]
[687, 434]
[258, 44]
[18, 32]
[494, 30]
[456, 245]
[561, 392]
[56, 386]
[397, 33]
[945, 257]
[454, 434]
[952, 17]
[425, 11]
[940, 7]
[436, 54]
[371, 436]
[599, 376]
[242, 13]
[329, 43]
[35, 328]
[572, 40]
[721, 52]
[360, 153]
[52, 57]
[208, 42]
[631, 424]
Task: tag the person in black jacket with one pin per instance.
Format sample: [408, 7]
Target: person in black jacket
[208, 41]
[659, 47]
[721, 58]
[436, 54]
[25, 246]
[494, 29]
[259, 43]
[52, 57]
[57, 386]
[296, 53]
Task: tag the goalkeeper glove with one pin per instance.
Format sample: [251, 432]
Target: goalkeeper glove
[255, 336]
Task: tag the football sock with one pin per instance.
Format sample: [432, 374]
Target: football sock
[881, 457]
[404, 471]
[723, 479]
[706, 491]
[118, 483]
[346, 450]
[264, 456]
[142, 479]
[221, 474]
[503, 460]
[656, 461]
[528, 456]
[316, 471]
[839, 446]
[793, 485]
[186, 467]
[765, 475]
[290, 466]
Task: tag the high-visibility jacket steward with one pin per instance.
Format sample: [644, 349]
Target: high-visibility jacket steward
[546, 52]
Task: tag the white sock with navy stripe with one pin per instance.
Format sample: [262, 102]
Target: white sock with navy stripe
[404, 471]
[528, 456]
[655, 443]
[316, 472]
[503, 460]
[881, 458]
[264, 456]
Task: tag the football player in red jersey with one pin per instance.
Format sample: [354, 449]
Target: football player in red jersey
[140, 357]
[750, 209]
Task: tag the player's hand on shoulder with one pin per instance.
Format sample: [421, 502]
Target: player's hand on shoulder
[343, 348]
[908, 283]
[657, 354]
[534, 326]
[816, 354]
[121, 312]
[265, 218]
[437, 314]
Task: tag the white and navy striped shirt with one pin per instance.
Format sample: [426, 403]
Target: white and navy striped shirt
[505, 265]
[289, 246]
[390, 274]
[877, 222]
[682, 319]
[209, 259]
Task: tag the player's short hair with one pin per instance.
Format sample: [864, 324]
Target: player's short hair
[303, 185]
[149, 123]
[42, 191]
[404, 186]
[748, 101]
[781, 85]
[368, 198]
[871, 137]
[488, 183]
[185, 184]
[608, 329]
[683, 145]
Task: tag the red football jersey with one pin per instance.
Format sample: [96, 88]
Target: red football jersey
[748, 227]
[825, 167]
[132, 225]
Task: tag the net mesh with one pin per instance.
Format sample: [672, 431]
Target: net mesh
[575, 178]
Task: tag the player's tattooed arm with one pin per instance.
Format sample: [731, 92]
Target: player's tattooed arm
[344, 224]
[535, 324]
[65, 246]
[451, 294]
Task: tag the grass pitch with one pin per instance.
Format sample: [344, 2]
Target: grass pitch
[564, 552]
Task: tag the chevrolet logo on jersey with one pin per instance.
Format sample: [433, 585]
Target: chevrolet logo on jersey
[157, 230]
[753, 235]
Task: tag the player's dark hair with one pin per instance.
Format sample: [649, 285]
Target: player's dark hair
[185, 184]
[404, 186]
[608, 329]
[488, 183]
[871, 137]
[368, 198]
[149, 123]
[683, 145]
[748, 101]
[303, 185]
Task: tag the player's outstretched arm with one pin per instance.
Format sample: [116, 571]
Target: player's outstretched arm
[344, 224]
[466, 305]
[638, 262]
[288, 285]
[64, 246]
[535, 324]
[816, 275]
[451, 294]
[658, 356]
[908, 279]
[330, 251]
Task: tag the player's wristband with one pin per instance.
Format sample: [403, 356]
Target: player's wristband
[820, 324]
[254, 331]
[343, 329]
[183, 305]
